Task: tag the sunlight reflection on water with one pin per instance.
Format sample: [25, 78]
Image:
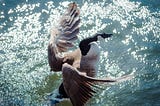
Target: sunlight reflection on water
[134, 48]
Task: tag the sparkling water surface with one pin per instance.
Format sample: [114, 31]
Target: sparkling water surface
[133, 49]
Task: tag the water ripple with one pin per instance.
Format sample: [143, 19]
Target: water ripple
[134, 48]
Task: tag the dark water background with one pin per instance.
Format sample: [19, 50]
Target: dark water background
[134, 49]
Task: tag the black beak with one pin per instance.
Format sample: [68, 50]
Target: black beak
[104, 35]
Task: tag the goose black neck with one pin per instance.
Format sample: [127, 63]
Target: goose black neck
[84, 44]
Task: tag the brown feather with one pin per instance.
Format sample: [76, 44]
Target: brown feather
[78, 86]
[67, 31]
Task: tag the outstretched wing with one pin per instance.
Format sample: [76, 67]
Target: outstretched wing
[78, 86]
[63, 36]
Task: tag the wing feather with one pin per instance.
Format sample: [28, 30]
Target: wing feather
[78, 86]
[65, 34]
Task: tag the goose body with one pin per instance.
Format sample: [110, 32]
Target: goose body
[78, 67]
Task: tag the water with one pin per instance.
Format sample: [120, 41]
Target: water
[134, 48]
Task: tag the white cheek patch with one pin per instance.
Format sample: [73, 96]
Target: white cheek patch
[94, 50]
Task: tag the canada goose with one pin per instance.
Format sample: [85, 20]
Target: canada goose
[78, 67]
